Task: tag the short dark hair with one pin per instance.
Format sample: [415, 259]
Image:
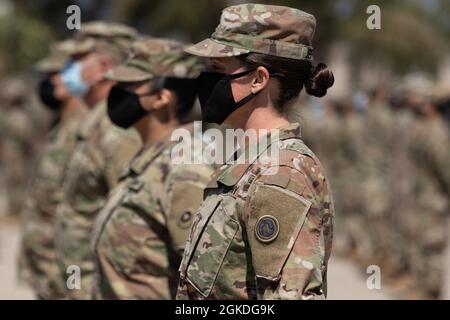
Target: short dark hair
[185, 91]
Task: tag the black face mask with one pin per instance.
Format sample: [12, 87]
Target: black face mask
[124, 108]
[216, 96]
[47, 95]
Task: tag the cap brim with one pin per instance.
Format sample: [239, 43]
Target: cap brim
[214, 49]
[125, 73]
[48, 65]
[79, 47]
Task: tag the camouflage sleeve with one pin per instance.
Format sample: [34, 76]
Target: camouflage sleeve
[289, 227]
[139, 247]
[187, 180]
[132, 258]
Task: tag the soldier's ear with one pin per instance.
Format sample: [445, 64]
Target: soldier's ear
[163, 99]
[260, 80]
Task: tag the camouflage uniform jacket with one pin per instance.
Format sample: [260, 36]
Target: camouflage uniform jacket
[262, 232]
[141, 232]
[101, 152]
[37, 258]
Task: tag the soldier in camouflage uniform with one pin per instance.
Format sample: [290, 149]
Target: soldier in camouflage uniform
[100, 151]
[426, 230]
[405, 172]
[141, 232]
[376, 135]
[335, 138]
[19, 139]
[37, 260]
[264, 230]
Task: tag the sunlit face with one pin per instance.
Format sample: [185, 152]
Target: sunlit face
[93, 68]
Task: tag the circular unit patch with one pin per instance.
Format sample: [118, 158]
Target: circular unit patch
[185, 219]
[267, 228]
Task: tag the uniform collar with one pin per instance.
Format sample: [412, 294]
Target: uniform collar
[291, 130]
[230, 174]
[92, 119]
[148, 154]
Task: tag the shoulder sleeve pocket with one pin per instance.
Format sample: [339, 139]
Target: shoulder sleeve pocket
[212, 247]
[275, 219]
[185, 199]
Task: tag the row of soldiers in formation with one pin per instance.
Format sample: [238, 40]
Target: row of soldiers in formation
[388, 166]
[106, 198]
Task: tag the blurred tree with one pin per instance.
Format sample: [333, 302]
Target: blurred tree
[189, 20]
[24, 38]
[409, 39]
[413, 36]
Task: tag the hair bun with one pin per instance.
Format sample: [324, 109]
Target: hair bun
[320, 79]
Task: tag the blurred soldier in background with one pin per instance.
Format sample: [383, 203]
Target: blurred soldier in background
[37, 260]
[101, 148]
[142, 230]
[389, 169]
[373, 140]
[389, 176]
[429, 190]
[18, 140]
[332, 134]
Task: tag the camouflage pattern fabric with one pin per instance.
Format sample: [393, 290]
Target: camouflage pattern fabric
[262, 232]
[267, 29]
[37, 259]
[16, 148]
[21, 137]
[100, 36]
[141, 232]
[101, 151]
[151, 58]
[55, 60]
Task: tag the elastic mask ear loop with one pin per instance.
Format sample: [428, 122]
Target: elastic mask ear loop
[240, 74]
[243, 101]
[252, 95]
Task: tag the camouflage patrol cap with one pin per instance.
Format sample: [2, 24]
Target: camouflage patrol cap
[150, 58]
[114, 38]
[273, 30]
[54, 61]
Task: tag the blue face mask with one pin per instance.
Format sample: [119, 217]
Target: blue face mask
[71, 78]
